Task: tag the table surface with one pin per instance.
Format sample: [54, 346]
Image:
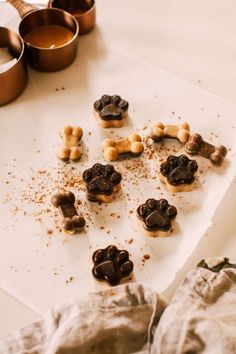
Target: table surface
[194, 40]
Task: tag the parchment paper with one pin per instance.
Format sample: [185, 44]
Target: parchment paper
[40, 265]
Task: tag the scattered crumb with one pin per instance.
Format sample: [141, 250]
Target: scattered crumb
[146, 257]
[49, 232]
[69, 280]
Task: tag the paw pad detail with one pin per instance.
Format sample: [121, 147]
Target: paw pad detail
[102, 182]
[156, 216]
[112, 265]
[131, 146]
[196, 145]
[178, 173]
[111, 111]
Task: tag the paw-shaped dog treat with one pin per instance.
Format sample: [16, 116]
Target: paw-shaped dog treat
[112, 265]
[71, 137]
[131, 146]
[155, 217]
[178, 173]
[71, 222]
[102, 182]
[180, 132]
[111, 111]
[196, 145]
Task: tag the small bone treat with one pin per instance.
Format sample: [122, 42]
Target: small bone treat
[196, 145]
[131, 146]
[71, 222]
[155, 217]
[178, 173]
[112, 265]
[111, 111]
[71, 137]
[180, 132]
[102, 182]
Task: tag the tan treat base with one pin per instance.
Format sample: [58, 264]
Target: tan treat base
[67, 159]
[176, 189]
[153, 233]
[110, 123]
[123, 280]
[69, 232]
[102, 197]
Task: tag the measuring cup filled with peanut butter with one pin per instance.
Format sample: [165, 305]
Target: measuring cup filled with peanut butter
[50, 36]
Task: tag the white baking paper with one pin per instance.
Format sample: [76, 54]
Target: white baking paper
[40, 265]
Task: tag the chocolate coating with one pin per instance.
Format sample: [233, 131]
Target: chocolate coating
[223, 265]
[101, 179]
[112, 264]
[111, 107]
[196, 145]
[71, 222]
[157, 214]
[179, 170]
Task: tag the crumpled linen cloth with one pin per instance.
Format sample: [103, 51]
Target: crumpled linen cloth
[201, 318]
[120, 320]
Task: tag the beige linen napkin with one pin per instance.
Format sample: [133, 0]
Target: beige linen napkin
[201, 317]
[120, 320]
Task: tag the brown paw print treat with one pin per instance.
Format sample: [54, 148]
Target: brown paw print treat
[111, 111]
[102, 182]
[196, 145]
[126, 147]
[71, 222]
[216, 264]
[155, 217]
[112, 265]
[178, 173]
[71, 137]
[161, 131]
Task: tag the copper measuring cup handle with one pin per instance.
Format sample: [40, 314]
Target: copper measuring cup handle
[22, 7]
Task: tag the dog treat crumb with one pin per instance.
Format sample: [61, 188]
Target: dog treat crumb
[146, 257]
[69, 280]
[49, 232]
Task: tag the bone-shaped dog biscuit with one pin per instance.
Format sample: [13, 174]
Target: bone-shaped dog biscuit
[196, 145]
[71, 222]
[113, 148]
[180, 132]
[71, 137]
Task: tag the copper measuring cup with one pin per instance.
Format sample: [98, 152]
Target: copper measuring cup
[47, 59]
[14, 78]
[83, 10]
